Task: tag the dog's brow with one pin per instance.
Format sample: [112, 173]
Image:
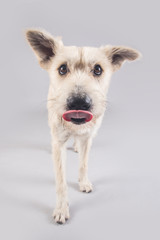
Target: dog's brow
[80, 64]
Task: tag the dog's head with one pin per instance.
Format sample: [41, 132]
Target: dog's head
[79, 75]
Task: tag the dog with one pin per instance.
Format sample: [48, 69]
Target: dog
[79, 81]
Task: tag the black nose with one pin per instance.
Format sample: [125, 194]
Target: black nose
[79, 103]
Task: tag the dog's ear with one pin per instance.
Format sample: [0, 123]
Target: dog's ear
[118, 54]
[43, 45]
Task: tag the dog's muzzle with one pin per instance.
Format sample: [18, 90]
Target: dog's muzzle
[78, 109]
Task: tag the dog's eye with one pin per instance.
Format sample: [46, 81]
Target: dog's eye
[97, 70]
[63, 69]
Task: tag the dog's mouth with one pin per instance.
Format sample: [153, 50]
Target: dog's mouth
[77, 116]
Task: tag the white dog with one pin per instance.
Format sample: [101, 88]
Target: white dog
[79, 81]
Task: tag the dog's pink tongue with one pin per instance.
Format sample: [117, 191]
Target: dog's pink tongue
[77, 114]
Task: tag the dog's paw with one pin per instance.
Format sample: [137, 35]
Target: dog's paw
[75, 147]
[86, 186]
[61, 215]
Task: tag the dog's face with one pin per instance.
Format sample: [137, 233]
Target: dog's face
[80, 79]
[79, 75]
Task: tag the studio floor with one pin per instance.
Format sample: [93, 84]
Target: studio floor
[124, 204]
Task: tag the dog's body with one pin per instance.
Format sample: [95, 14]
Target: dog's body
[79, 80]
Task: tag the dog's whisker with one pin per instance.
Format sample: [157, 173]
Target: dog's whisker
[53, 99]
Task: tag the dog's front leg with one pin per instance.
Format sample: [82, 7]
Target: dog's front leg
[61, 212]
[84, 148]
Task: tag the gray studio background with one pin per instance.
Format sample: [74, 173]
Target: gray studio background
[124, 161]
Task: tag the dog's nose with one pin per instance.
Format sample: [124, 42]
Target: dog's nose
[79, 103]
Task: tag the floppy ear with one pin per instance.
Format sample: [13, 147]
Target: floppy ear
[118, 54]
[43, 45]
